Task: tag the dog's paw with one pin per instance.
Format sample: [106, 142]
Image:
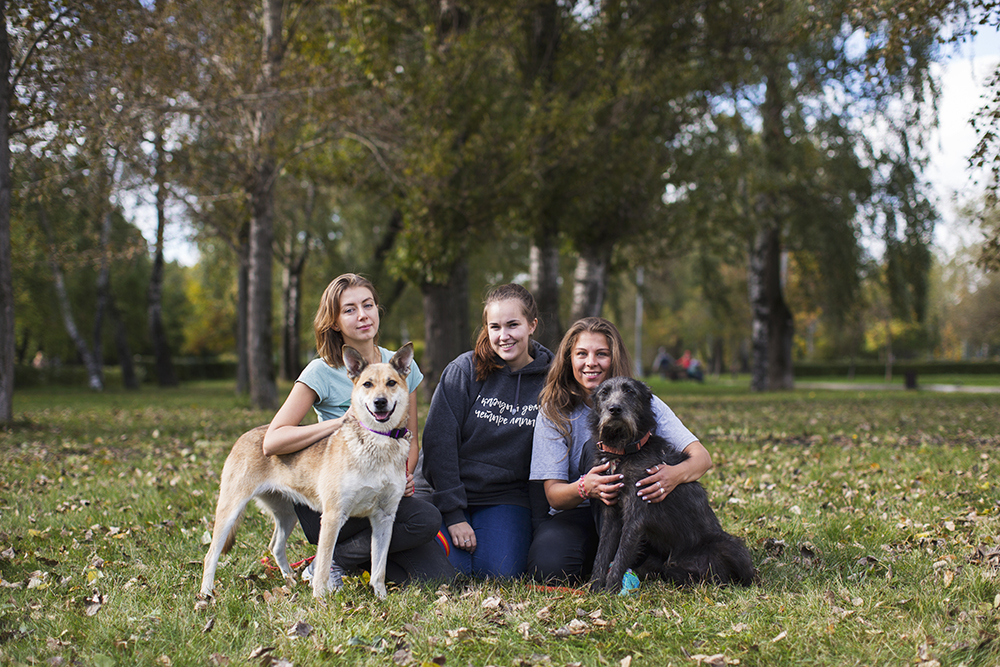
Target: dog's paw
[380, 590]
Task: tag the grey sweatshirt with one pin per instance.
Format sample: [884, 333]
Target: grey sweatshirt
[477, 436]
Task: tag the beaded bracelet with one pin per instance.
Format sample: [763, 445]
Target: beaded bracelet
[580, 488]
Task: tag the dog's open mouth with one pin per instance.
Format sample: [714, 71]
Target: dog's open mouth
[382, 416]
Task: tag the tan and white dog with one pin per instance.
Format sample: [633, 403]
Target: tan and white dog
[359, 471]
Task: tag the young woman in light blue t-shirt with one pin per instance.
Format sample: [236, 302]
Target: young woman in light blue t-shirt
[348, 314]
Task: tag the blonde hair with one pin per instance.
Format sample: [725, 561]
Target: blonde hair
[562, 393]
[486, 361]
[329, 341]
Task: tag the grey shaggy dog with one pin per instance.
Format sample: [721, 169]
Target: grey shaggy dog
[680, 537]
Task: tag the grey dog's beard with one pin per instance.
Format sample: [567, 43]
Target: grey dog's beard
[616, 429]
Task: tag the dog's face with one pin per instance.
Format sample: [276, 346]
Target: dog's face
[621, 411]
[381, 397]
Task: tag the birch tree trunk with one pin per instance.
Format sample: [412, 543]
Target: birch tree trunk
[263, 389]
[544, 271]
[95, 379]
[7, 346]
[446, 324]
[103, 290]
[773, 326]
[291, 289]
[164, 364]
[242, 317]
[590, 282]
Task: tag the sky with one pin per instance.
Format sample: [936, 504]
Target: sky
[963, 77]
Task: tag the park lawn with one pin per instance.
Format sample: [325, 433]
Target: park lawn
[872, 518]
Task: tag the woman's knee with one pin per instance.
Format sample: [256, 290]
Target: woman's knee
[418, 516]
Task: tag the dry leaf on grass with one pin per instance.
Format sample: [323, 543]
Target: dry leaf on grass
[403, 656]
[259, 651]
[574, 627]
[94, 603]
[299, 629]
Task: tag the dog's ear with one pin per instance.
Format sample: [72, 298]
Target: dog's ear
[354, 362]
[401, 360]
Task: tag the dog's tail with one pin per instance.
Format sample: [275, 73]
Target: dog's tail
[231, 537]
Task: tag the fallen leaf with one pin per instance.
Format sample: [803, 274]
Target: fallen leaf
[299, 629]
[164, 660]
[259, 651]
[461, 634]
[403, 656]
[948, 576]
[626, 661]
[492, 602]
[524, 629]
[574, 627]
[94, 603]
[781, 635]
[218, 659]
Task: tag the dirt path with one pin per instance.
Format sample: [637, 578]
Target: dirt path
[942, 388]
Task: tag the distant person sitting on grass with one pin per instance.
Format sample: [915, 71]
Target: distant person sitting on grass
[663, 363]
[691, 366]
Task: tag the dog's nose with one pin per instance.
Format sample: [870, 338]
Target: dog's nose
[381, 403]
[615, 409]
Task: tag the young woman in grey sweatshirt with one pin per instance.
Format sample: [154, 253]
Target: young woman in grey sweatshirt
[477, 438]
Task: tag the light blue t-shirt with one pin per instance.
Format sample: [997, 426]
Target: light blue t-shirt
[334, 388]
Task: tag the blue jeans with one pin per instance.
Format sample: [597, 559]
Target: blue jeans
[503, 535]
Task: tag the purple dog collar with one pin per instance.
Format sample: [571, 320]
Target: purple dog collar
[394, 433]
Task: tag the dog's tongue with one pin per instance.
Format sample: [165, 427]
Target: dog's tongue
[382, 416]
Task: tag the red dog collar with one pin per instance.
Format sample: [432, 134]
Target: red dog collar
[628, 449]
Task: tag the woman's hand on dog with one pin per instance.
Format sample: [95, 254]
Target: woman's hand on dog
[410, 485]
[605, 487]
[462, 536]
[663, 478]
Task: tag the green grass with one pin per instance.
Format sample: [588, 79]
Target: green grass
[871, 516]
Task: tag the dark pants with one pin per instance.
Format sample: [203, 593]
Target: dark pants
[414, 554]
[565, 544]
[564, 547]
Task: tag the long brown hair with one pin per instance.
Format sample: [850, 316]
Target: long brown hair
[486, 360]
[329, 341]
[562, 393]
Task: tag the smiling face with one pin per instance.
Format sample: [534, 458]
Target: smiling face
[510, 332]
[358, 319]
[591, 358]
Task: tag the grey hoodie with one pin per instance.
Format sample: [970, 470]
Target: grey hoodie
[477, 436]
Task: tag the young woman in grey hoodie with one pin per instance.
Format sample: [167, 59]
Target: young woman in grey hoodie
[477, 438]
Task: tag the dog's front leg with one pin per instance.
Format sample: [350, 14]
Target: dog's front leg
[611, 533]
[381, 521]
[332, 521]
[628, 548]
